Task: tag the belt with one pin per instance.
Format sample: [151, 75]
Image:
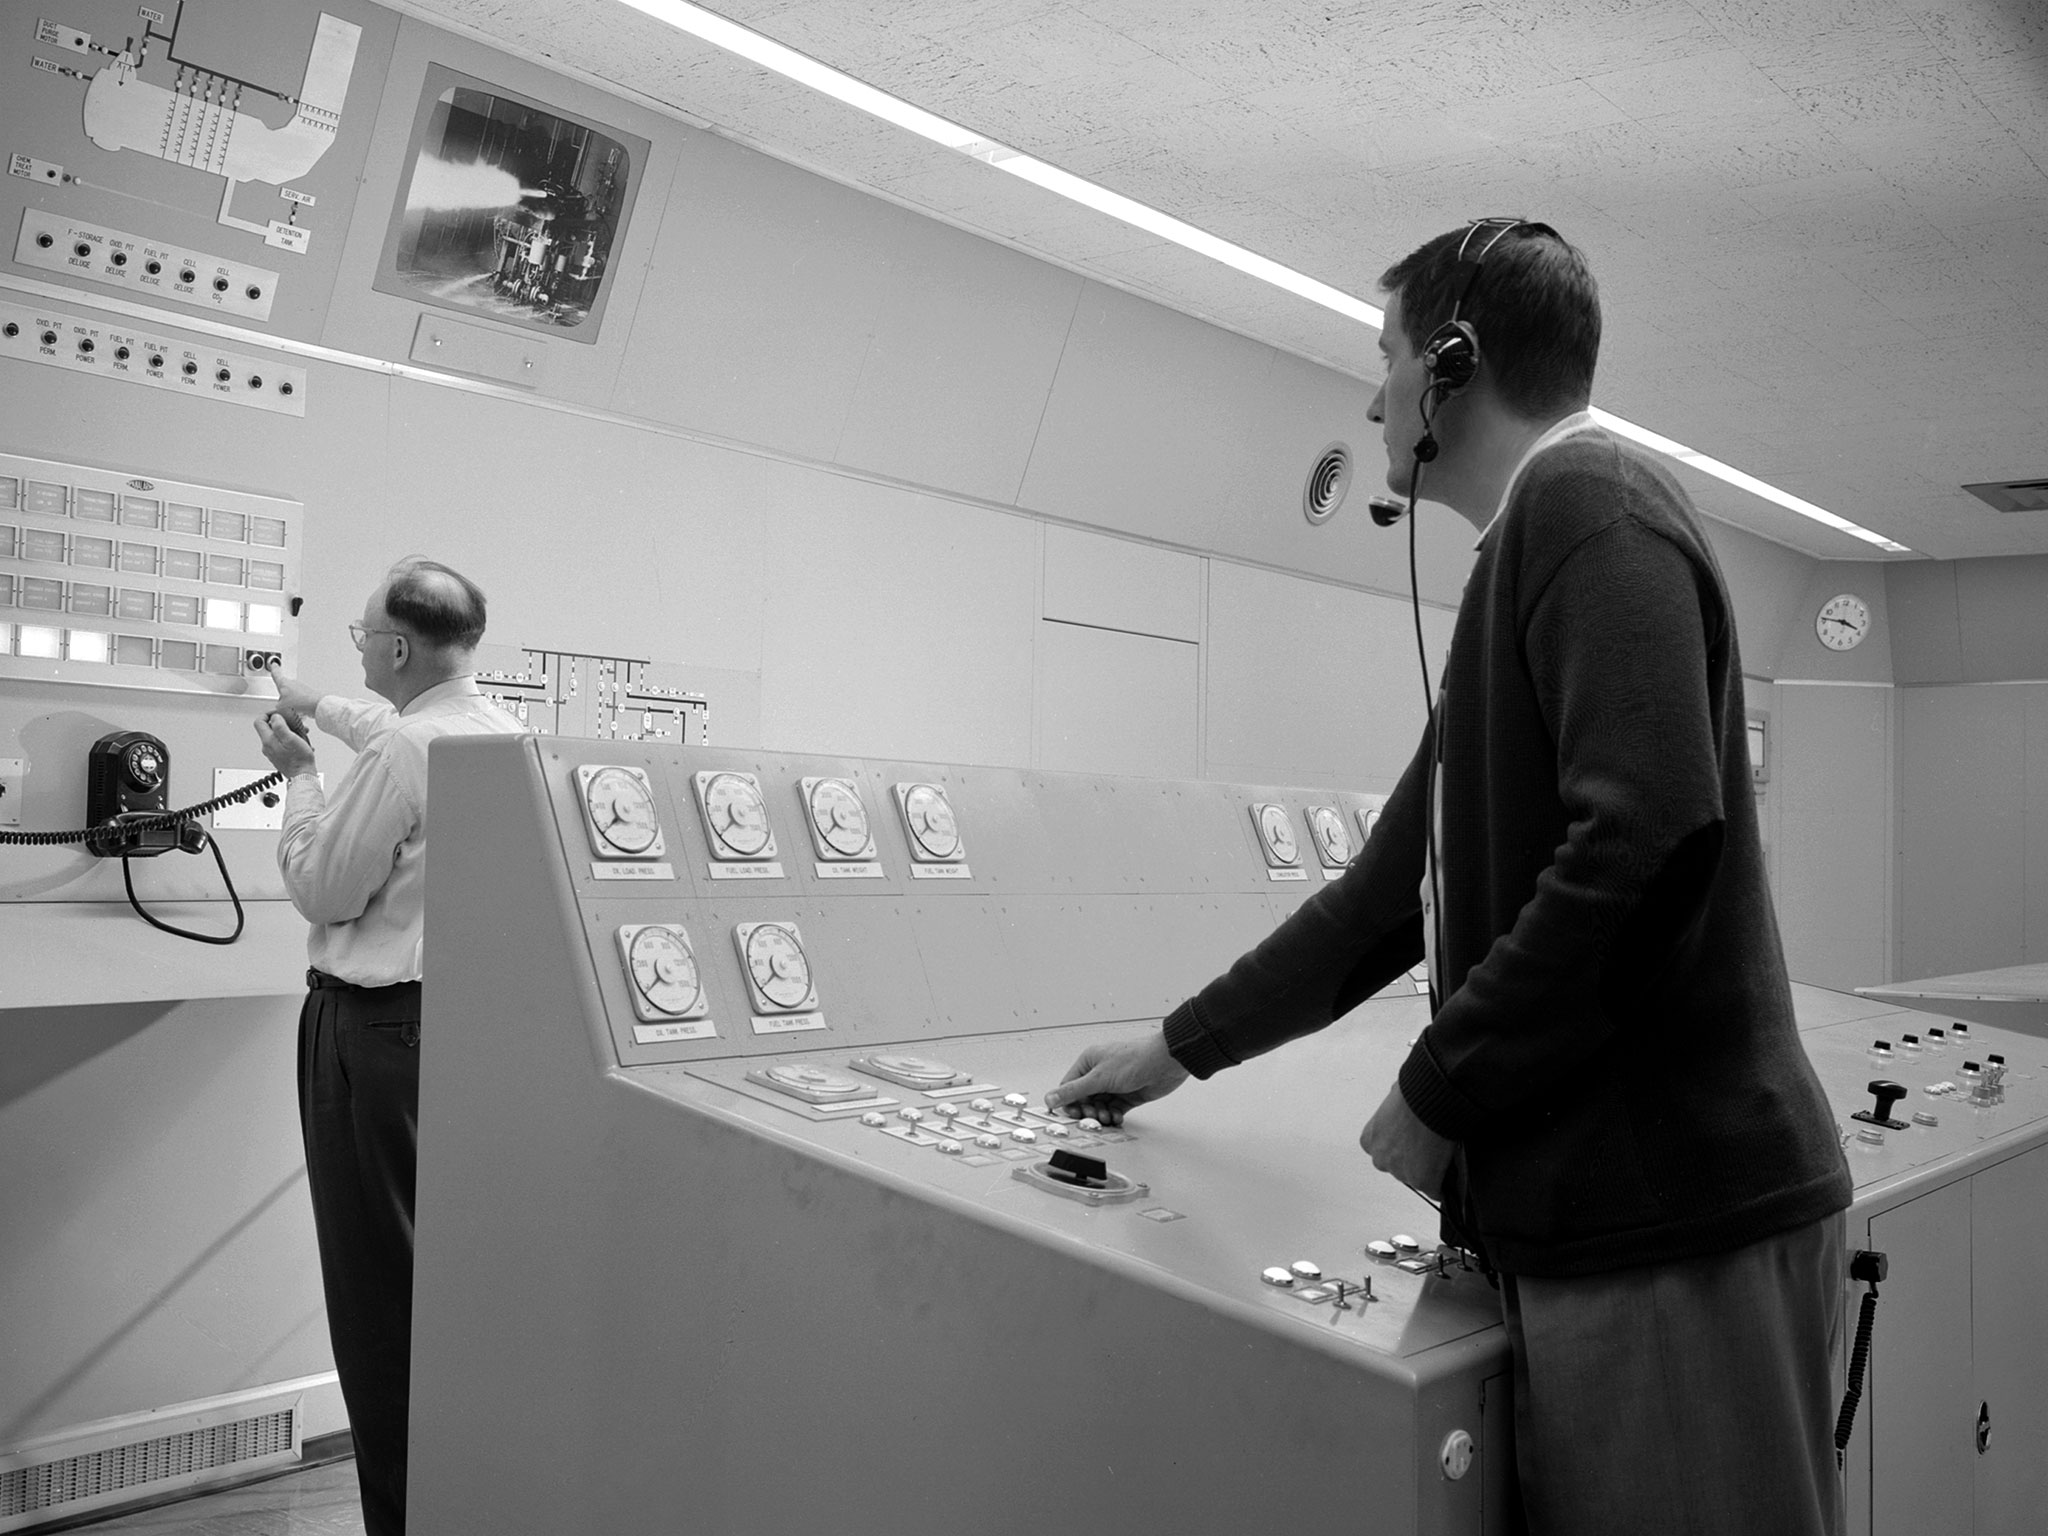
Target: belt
[320, 981]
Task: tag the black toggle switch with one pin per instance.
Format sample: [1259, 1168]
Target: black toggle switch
[1887, 1094]
[1073, 1168]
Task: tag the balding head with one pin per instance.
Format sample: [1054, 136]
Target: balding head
[439, 607]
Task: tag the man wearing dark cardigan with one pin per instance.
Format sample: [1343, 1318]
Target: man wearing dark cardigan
[1610, 1100]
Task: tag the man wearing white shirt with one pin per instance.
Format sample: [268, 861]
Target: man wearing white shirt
[355, 867]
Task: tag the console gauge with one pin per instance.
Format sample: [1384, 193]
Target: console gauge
[1332, 838]
[1276, 835]
[663, 971]
[1368, 818]
[928, 818]
[778, 971]
[838, 819]
[908, 1071]
[618, 809]
[735, 815]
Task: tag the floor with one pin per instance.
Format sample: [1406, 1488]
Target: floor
[319, 1501]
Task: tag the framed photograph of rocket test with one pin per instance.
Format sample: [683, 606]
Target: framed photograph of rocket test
[509, 208]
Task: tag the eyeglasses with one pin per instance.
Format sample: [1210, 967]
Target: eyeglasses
[360, 632]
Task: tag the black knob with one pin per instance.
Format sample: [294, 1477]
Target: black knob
[1887, 1093]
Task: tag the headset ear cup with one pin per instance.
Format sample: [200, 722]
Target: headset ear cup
[1451, 355]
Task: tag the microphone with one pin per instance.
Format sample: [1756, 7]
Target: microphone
[1386, 511]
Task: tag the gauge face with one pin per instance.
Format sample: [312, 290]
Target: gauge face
[922, 1068]
[1367, 820]
[664, 970]
[839, 819]
[1333, 842]
[777, 965]
[929, 815]
[619, 804]
[1842, 622]
[1277, 834]
[736, 815]
[816, 1079]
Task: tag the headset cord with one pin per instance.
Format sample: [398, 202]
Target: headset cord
[241, 917]
[1859, 1357]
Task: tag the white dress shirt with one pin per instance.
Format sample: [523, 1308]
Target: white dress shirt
[355, 865]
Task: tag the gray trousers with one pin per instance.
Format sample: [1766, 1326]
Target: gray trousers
[1689, 1399]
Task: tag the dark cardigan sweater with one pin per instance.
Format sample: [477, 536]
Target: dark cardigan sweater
[1614, 1051]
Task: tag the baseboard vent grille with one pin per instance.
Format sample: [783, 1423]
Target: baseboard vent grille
[118, 1461]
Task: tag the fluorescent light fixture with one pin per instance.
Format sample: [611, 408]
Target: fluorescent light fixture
[1763, 489]
[769, 54]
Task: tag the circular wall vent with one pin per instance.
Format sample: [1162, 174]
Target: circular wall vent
[1327, 483]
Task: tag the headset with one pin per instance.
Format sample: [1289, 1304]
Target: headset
[1450, 354]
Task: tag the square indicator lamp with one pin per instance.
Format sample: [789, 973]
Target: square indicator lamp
[1332, 839]
[662, 972]
[778, 971]
[1276, 836]
[618, 812]
[838, 819]
[929, 823]
[735, 816]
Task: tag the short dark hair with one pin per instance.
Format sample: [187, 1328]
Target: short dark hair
[439, 605]
[1535, 308]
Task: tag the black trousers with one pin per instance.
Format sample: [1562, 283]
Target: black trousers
[359, 1096]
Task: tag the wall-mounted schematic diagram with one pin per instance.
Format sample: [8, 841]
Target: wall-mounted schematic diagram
[202, 118]
[595, 698]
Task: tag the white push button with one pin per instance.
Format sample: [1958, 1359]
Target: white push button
[1278, 1276]
[949, 1146]
[1089, 1123]
[981, 1106]
[1024, 1133]
[990, 1142]
[911, 1113]
[1306, 1269]
[1016, 1100]
[948, 1111]
[1404, 1244]
[1380, 1248]
[874, 1117]
[1925, 1117]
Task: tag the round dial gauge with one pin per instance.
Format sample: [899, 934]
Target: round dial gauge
[1278, 834]
[776, 961]
[1333, 842]
[732, 804]
[665, 971]
[922, 1068]
[931, 821]
[1842, 622]
[840, 818]
[621, 810]
[816, 1079]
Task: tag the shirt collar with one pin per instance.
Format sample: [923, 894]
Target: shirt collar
[451, 688]
[1555, 433]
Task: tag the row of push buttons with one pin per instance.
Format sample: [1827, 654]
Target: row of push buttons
[984, 1124]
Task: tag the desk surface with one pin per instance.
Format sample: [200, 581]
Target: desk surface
[2010, 984]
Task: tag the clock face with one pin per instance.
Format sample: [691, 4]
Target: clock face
[1842, 622]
